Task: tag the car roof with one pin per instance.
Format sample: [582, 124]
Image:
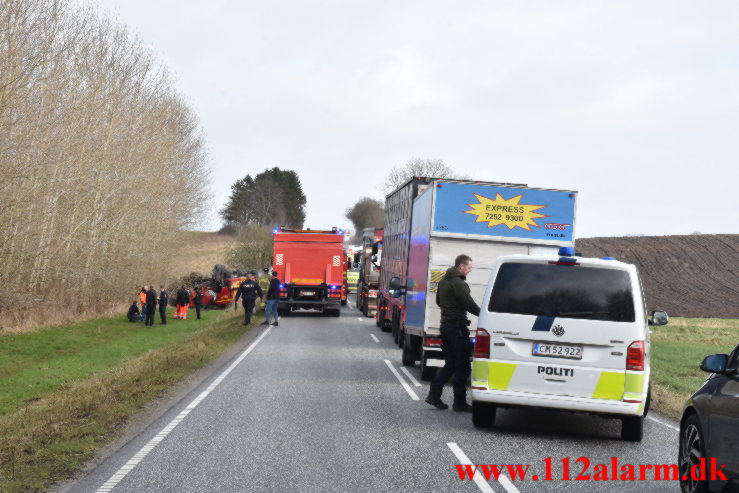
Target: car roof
[583, 261]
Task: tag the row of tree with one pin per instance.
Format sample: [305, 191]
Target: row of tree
[102, 164]
[275, 197]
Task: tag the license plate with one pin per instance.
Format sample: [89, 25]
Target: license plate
[557, 350]
[308, 293]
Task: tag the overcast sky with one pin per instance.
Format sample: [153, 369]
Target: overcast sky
[634, 104]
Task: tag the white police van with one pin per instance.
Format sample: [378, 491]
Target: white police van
[564, 332]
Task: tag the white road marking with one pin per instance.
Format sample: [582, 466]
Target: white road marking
[402, 382]
[374, 338]
[478, 478]
[410, 377]
[359, 318]
[663, 423]
[141, 454]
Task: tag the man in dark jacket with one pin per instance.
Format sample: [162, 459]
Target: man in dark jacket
[134, 315]
[198, 301]
[453, 297]
[248, 291]
[151, 306]
[163, 302]
[273, 298]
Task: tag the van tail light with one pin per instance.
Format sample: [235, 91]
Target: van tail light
[482, 344]
[635, 356]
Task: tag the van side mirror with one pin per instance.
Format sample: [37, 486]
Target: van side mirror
[715, 363]
[659, 318]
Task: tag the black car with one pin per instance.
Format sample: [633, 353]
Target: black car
[709, 429]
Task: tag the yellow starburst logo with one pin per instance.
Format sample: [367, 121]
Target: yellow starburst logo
[511, 212]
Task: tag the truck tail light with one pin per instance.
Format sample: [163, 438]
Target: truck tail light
[635, 356]
[432, 342]
[482, 344]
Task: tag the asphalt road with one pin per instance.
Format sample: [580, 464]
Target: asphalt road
[312, 405]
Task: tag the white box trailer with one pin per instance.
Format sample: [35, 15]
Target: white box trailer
[479, 219]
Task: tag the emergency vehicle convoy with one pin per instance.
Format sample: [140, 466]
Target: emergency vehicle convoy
[429, 221]
[369, 271]
[311, 265]
[564, 332]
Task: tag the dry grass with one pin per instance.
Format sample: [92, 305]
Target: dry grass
[51, 437]
[202, 252]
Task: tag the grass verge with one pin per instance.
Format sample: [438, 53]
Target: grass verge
[67, 397]
[677, 351]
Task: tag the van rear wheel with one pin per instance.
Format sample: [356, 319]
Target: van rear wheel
[483, 414]
[632, 428]
[409, 357]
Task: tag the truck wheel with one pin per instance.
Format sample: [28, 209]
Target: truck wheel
[343, 302]
[394, 329]
[632, 428]
[409, 357]
[427, 372]
[286, 312]
[365, 311]
[483, 414]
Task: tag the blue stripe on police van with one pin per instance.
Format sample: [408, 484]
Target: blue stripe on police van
[543, 324]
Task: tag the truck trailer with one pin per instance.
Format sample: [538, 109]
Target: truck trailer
[429, 221]
[310, 264]
[369, 271]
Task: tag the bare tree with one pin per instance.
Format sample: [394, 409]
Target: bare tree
[366, 213]
[102, 164]
[432, 168]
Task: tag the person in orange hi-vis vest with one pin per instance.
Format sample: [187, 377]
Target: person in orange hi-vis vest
[142, 301]
[183, 302]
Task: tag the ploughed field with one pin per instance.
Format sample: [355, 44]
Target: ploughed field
[687, 276]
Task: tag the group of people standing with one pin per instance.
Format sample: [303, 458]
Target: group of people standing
[184, 299]
[148, 301]
[249, 290]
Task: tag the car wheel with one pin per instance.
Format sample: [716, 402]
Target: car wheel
[692, 448]
[483, 414]
[632, 428]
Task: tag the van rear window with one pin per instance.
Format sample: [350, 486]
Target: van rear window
[563, 291]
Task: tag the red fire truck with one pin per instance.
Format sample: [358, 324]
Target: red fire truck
[310, 264]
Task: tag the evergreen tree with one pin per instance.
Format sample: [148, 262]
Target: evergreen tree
[274, 197]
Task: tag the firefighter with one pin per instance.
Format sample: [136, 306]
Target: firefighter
[182, 301]
[142, 301]
[163, 302]
[273, 298]
[151, 306]
[198, 301]
[248, 292]
[453, 297]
